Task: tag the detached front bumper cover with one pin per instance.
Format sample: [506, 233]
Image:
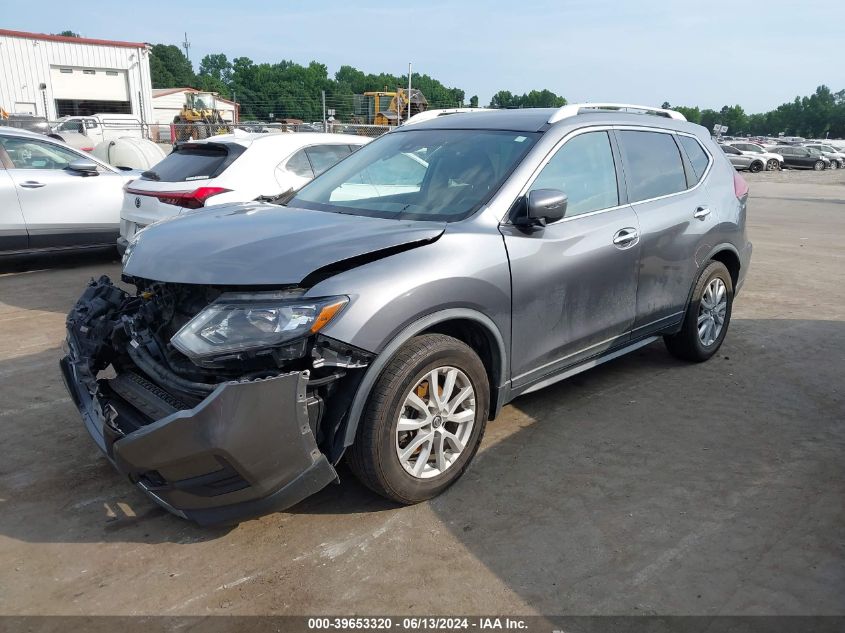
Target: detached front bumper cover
[245, 450]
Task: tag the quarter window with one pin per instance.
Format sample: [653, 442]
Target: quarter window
[583, 169]
[653, 165]
[324, 156]
[298, 164]
[697, 156]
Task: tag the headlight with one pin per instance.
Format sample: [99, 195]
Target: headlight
[238, 322]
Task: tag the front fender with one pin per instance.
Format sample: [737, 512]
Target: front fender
[463, 275]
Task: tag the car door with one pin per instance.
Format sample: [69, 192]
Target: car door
[13, 235]
[664, 172]
[62, 207]
[788, 156]
[737, 158]
[573, 281]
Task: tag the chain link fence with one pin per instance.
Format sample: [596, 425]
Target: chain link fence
[87, 135]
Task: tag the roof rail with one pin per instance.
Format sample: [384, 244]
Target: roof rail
[427, 115]
[574, 109]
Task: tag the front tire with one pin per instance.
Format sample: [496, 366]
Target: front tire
[818, 165]
[834, 164]
[773, 164]
[707, 318]
[424, 420]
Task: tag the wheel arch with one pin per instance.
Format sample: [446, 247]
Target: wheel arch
[725, 253]
[470, 326]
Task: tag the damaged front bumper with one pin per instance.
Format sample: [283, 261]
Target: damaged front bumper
[247, 449]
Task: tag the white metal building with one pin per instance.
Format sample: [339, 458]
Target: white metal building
[168, 102]
[55, 76]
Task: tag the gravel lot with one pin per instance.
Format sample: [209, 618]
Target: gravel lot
[643, 486]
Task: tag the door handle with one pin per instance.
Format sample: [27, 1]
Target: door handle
[701, 213]
[623, 238]
[32, 184]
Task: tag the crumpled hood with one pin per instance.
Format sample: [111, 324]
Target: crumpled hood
[253, 244]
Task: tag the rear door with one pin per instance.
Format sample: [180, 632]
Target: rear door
[62, 207]
[664, 174]
[574, 282]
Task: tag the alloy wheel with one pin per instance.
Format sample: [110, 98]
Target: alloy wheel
[711, 312]
[435, 423]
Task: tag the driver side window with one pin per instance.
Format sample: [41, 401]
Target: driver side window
[583, 169]
[28, 153]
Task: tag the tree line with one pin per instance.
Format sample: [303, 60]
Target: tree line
[290, 90]
[819, 115]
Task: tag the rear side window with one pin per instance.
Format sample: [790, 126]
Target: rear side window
[696, 154]
[324, 156]
[298, 164]
[583, 169]
[193, 162]
[653, 165]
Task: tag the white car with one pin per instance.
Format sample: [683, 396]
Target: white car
[54, 197]
[229, 168]
[771, 160]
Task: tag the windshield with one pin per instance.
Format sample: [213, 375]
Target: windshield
[419, 175]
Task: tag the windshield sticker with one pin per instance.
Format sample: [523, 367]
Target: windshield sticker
[519, 139]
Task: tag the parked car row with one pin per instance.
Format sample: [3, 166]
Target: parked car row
[56, 197]
[744, 155]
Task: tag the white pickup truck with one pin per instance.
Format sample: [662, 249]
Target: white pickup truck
[101, 127]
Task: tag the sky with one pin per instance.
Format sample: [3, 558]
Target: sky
[710, 54]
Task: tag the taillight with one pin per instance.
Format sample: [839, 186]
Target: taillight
[740, 186]
[188, 199]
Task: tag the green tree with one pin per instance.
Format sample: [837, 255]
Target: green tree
[533, 99]
[169, 68]
[217, 67]
[473, 101]
[68, 34]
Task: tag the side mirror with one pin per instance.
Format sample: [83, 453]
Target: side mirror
[84, 167]
[543, 206]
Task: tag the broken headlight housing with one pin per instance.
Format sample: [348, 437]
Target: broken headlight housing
[242, 322]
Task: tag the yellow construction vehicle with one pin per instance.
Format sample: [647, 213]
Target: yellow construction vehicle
[391, 108]
[199, 117]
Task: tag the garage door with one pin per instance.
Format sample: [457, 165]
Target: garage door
[85, 91]
[90, 84]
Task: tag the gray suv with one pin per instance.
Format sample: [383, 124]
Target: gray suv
[392, 306]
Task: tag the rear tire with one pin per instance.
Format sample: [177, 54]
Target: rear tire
[755, 167]
[834, 164]
[376, 457]
[707, 318]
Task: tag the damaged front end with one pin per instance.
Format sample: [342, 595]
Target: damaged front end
[220, 404]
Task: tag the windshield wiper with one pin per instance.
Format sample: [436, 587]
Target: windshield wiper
[150, 175]
[280, 199]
